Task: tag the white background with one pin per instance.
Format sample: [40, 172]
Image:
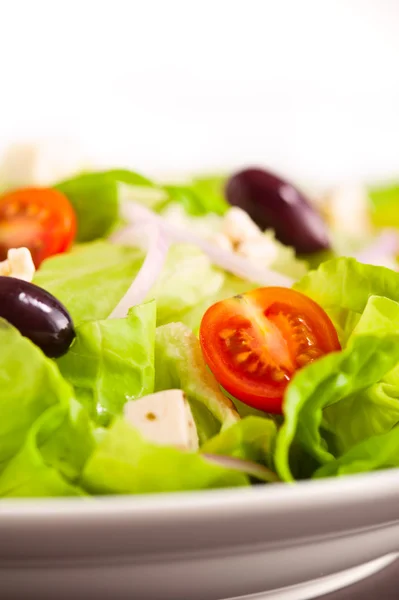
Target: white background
[310, 87]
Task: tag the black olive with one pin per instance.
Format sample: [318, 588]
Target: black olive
[274, 203]
[37, 315]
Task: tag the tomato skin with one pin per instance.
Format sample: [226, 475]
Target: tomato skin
[41, 219]
[254, 343]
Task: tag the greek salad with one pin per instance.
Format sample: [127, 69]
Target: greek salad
[217, 331]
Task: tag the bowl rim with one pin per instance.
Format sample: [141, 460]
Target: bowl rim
[350, 490]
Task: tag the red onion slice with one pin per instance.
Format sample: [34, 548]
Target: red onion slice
[150, 269]
[252, 469]
[229, 261]
[382, 251]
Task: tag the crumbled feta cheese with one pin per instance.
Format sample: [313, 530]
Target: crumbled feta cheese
[347, 209]
[238, 226]
[260, 248]
[222, 241]
[241, 235]
[18, 264]
[41, 163]
[164, 418]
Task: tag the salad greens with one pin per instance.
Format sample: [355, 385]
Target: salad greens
[29, 473]
[36, 386]
[283, 259]
[91, 279]
[374, 453]
[95, 199]
[347, 398]
[46, 441]
[326, 384]
[252, 438]
[180, 287]
[343, 287]
[124, 463]
[102, 366]
[384, 205]
[179, 364]
[64, 426]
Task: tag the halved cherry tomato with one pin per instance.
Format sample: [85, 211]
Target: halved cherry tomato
[41, 219]
[254, 343]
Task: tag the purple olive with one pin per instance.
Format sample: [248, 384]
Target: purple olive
[276, 204]
[37, 315]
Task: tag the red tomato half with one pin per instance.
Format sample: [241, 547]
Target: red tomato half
[41, 219]
[255, 342]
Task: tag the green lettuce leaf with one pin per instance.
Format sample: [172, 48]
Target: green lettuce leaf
[343, 287]
[45, 435]
[67, 438]
[52, 457]
[362, 415]
[29, 384]
[252, 438]
[210, 189]
[380, 315]
[384, 203]
[375, 453]
[124, 463]
[112, 361]
[95, 199]
[188, 279]
[28, 475]
[91, 279]
[200, 196]
[179, 364]
[286, 262]
[324, 383]
[376, 410]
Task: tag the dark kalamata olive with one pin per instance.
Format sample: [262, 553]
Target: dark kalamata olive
[37, 315]
[274, 203]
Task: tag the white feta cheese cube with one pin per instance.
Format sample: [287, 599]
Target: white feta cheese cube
[164, 418]
[40, 164]
[222, 241]
[18, 264]
[238, 226]
[347, 208]
[260, 249]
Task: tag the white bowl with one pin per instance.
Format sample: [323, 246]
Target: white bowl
[202, 546]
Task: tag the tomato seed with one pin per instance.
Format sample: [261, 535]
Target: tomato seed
[252, 367]
[226, 333]
[31, 210]
[11, 209]
[314, 352]
[278, 375]
[303, 360]
[243, 356]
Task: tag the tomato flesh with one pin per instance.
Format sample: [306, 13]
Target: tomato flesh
[254, 343]
[41, 219]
